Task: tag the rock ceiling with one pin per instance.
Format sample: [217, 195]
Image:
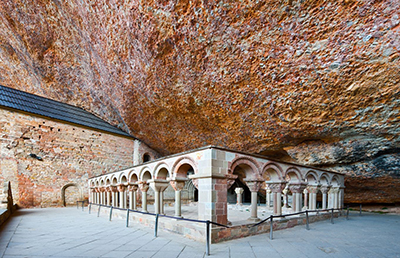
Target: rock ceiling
[316, 82]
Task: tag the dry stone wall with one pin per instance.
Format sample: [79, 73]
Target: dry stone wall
[40, 157]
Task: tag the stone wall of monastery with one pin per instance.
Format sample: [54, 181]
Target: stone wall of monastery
[69, 156]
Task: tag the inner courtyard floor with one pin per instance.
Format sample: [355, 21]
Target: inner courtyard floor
[69, 232]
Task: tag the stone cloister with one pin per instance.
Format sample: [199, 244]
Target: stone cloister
[213, 170]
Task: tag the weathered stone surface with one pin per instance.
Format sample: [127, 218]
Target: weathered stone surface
[257, 76]
[66, 155]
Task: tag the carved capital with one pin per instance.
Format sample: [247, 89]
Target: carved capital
[254, 185]
[276, 187]
[313, 189]
[297, 187]
[132, 187]
[177, 185]
[121, 188]
[239, 190]
[324, 189]
[143, 186]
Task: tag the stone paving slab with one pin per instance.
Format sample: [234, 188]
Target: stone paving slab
[69, 232]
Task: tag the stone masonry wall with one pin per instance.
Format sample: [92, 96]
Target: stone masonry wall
[70, 155]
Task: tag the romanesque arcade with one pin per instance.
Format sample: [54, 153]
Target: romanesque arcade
[213, 171]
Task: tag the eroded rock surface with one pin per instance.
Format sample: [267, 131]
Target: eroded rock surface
[316, 81]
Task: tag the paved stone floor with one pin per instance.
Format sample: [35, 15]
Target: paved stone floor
[68, 232]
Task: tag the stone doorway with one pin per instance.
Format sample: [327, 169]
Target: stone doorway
[70, 194]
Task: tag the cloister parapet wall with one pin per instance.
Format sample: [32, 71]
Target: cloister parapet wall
[213, 170]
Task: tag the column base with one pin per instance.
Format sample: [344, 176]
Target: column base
[254, 219]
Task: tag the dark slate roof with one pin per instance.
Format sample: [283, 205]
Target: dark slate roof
[20, 100]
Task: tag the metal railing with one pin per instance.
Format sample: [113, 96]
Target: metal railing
[208, 223]
[157, 216]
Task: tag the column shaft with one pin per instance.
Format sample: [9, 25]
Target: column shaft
[178, 203]
[253, 205]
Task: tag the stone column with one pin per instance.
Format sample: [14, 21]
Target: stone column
[254, 186]
[103, 195]
[158, 185]
[268, 202]
[239, 192]
[122, 196]
[277, 188]
[108, 193]
[178, 187]
[97, 195]
[114, 196]
[313, 189]
[297, 190]
[330, 198]
[335, 197]
[132, 188]
[307, 199]
[92, 195]
[341, 197]
[144, 187]
[285, 197]
[324, 189]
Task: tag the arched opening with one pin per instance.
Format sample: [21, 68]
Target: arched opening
[146, 176]
[189, 192]
[124, 180]
[133, 178]
[146, 158]
[242, 171]
[70, 194]
[162, 174]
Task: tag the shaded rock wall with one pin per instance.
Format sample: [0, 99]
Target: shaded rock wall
[257, 76]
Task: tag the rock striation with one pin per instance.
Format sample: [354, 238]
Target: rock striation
[315, 82]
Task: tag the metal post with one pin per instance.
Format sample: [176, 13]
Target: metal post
[271, 227]
[98, 211]
[332, 216]
[360, 208]
[90, 206]
[109, 218]
[127, 217]
[307, 222]
[156, 226]
[208, 238]
[83, 204]
[347, 213]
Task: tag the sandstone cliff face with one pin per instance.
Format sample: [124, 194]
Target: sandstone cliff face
[315, 81]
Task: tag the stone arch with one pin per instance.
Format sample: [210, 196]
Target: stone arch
[145, 174]
[324, 179]
[335, 181]
[248, 165]
[114, 180]
[65, 187]
[272, 172]
[108, 181]
[293, 175]
[123, 179]
[182, 166]
[162, 171]
[312, 178]
[133, 177]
